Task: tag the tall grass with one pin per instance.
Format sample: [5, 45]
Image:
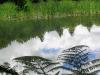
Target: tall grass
[8, 10]
[51, 9]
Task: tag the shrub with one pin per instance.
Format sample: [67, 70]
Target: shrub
[8, 9]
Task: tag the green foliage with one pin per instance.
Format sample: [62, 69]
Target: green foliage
[8, 9]
[50, 8]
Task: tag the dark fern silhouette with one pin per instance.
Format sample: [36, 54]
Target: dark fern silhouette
[37, 64]
[5, 68]
[75, 59]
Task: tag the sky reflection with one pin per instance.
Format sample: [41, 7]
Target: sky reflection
[53, 44]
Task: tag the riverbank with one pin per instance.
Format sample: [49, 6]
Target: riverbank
[10, 11]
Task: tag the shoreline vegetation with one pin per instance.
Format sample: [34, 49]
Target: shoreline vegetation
[24, 19]
[10, 10]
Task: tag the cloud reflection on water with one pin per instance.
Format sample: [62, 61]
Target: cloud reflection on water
[53, 43]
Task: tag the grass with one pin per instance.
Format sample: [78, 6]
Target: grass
[49, 9]
[8, 10]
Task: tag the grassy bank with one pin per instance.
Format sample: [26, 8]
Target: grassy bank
[9, 11]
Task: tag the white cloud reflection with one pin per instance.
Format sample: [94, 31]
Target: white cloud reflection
[53, 43]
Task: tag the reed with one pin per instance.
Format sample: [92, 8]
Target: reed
[50, 9]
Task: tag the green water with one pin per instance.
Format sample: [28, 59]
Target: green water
[24, 30]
